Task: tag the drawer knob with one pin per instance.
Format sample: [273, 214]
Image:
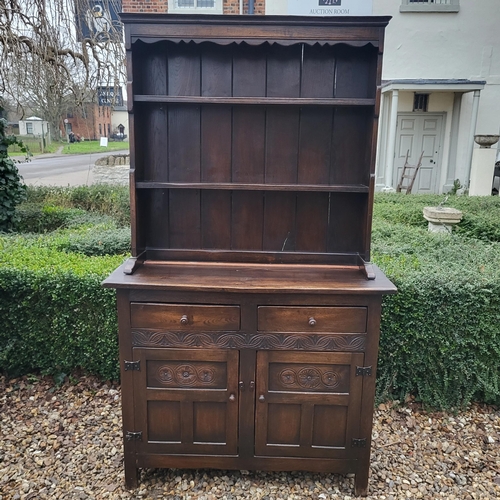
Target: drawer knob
[312, 322]
[184, 320]
[262, 398]
[232, 397]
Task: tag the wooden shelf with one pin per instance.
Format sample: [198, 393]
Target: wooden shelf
[340, 188]
[289, 101]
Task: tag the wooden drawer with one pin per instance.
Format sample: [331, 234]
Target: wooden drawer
[185, 317]
[338, 319]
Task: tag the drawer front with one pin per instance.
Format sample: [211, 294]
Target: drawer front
[188, 317]
[339, 319]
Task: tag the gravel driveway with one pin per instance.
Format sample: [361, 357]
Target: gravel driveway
[65, 443]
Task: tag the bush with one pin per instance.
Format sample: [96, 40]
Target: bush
[112, 201]
[480, 213]
[54, 314]
[439, 334]
[99, 242]
[12, 188]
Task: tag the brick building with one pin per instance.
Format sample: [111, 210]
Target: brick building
[90, 121]
[193, 6]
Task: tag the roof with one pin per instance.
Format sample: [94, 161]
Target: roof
[437, 85]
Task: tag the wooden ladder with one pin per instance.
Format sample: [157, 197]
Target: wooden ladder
[410, 173]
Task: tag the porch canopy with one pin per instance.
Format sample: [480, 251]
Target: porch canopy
[391, 89]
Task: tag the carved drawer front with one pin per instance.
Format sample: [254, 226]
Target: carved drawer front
[187, 401]
[340, 319]
[185, 317]
[308, 404]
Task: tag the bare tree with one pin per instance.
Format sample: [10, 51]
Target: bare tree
[55, 53]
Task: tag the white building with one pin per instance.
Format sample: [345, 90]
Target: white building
[34, 126]
[441, 86]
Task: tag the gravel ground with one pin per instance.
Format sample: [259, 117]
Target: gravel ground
[65, 443]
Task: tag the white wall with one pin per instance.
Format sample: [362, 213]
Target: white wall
[39, 127]
[118, 117]
[437, 45]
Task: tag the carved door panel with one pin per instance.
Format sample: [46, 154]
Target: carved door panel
[187, 401]
[308, 404]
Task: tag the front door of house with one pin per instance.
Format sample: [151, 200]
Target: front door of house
[417, 132]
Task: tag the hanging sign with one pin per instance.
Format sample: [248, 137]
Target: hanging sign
[98, 20]
[330, 7]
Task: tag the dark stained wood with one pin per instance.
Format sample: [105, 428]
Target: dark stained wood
[283, 71]
[156, 214]
[216, 71]
[299, 388]
[345, 222]
[318, 71]
[248, 148]
[247, 220]
[154, 149]
[315, 145]
[184, 143]
[278, 101]
[279, 221]
[282, 131]
[349, 161]
[215, 219]
[185, 317]
[184, 219]
[184, 75]
[343, 188]
[252, 278]
[312, 221]
[216, 124]
[249, 302]
[312, 319]
[355, 72]
[249, 72]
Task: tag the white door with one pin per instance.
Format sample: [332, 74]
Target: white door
[417, 133]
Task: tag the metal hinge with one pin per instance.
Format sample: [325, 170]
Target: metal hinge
[363, 371]
[133, 436]
[132, 366]
[358, 443]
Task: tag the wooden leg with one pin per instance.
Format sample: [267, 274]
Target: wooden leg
[361, 482]
[131, 473]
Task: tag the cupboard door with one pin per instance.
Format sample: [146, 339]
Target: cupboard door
[308, 404]
[186, 401]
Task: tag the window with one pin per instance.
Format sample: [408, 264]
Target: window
[429, 6]
[420, 102]
[29, 128]
[197, 6]
[100, 130]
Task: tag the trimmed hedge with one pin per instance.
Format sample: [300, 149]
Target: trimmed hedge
[54, 314]
[440, 335]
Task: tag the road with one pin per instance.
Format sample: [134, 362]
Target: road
[61, 170]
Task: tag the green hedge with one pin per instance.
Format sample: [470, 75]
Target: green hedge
[54, 314]
[103, 199]
[440, 335]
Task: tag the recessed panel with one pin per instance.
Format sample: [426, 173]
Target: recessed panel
[329, 426]
[164, 421]
[209, 422]
[283, 424]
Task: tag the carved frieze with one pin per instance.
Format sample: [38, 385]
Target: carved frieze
[238, 340]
